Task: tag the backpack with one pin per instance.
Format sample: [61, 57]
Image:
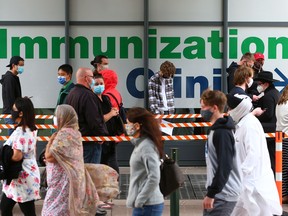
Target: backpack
[122, 112]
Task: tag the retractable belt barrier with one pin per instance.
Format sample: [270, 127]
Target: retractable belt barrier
[277, 135]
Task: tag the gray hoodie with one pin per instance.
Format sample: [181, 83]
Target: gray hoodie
[144, 174]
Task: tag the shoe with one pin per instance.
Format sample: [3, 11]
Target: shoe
[285, 200]
[100, 212]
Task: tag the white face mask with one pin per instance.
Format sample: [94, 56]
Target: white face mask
[104, 67]
[55, 121]
[260, 88]
[250, 82]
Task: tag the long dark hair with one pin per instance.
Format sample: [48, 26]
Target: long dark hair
[149, 126]
[25, 106]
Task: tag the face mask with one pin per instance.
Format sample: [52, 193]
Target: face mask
[105, 67]
[15, 115]
[55, 121]
[99, 89]
[250, 82]
[20, 69]
[130, 130]
[260, 88]
[206, 115]
[92, 84]
[62, 80]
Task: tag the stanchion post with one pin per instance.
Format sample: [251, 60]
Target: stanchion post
[278, 162]
[174, 197]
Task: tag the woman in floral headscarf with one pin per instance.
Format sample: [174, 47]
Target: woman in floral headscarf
[70, 188]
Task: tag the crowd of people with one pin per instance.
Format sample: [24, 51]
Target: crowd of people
[238, 165]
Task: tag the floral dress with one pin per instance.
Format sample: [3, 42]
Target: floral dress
[26, 187]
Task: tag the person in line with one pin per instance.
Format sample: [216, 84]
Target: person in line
[259, 196]
[259, 62]
[11, 87]
[70, 188]
[65, 72]
[282, 125]
[88, 108]
[267, 104]
[109, 154]
[100, 62]
[144, 194]
[161, 91]
[223, 169]
[247, 59]
[111, 81]
[23, 190]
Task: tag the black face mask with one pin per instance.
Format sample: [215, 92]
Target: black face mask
[15, 115]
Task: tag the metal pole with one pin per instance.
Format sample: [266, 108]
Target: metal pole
[146, 48]
[174, 197]
[225, 46]
[67, 28]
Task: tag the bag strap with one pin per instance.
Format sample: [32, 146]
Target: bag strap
[114, 99]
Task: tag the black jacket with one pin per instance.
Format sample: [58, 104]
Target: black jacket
[231, 70]
[88, 108]
[269, 102]
[10, 169]
[11, 89]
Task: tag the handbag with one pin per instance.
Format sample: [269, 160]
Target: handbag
[171, 176]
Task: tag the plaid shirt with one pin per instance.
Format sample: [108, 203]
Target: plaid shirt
[155, 94]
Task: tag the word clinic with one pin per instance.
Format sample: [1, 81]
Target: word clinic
[176, 47]
[192, 83]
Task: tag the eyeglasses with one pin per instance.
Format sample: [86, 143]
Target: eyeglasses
[90, 76]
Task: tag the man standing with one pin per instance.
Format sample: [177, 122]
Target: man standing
[247, 59]
[90, 117]
[161, 92]
[64, 78]
[100, 63]
[223, 171]
[267, 113]
[11, 88]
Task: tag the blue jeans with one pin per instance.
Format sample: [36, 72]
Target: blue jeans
[221, 207]
[9, 121]
[92, 152]
[149, 210]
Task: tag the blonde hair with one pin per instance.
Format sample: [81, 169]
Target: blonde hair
[284, 96]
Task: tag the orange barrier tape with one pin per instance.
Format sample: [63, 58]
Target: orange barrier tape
[124, 138]
[36, 116]
[39, 126]
[177, 116]
[278, 162]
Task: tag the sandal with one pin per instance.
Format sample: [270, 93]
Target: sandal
[109, 203]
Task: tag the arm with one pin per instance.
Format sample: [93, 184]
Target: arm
[268, 103]
[48, 156]
[152, 165]
[17, 155]
[152, 96]
[224, 143]
[10, 90]
[114, 112]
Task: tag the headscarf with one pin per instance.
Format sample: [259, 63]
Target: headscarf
[66, 117]
[67, 149]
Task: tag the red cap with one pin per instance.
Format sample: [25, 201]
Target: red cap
[259, 56]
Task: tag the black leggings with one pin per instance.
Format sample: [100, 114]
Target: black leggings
[7, 205]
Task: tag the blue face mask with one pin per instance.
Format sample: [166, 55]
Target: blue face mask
[92, 84]
[20, 69]
[62, 80]
[99, 89]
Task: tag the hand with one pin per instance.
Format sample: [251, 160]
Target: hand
[114, 111]
[258, 111]
[208, 203]
[255, 98]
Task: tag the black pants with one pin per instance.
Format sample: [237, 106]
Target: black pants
[109, 155]
[7, 205]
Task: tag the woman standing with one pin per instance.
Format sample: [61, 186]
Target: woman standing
[70, 188]
[23, 190]
[144, 193]
[282, 125]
